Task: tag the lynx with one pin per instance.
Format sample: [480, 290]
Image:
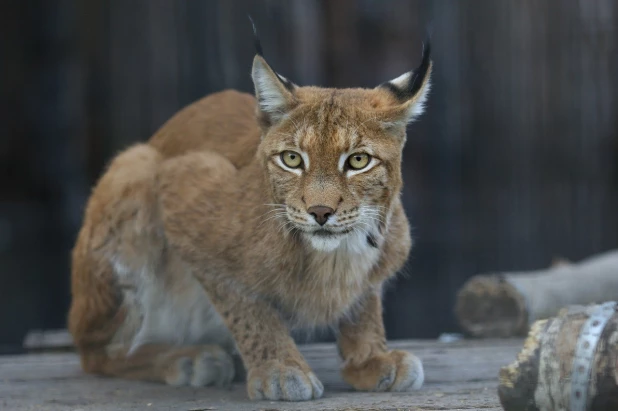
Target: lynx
[244, 218]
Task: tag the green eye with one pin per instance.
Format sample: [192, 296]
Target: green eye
[358, 161]
[291, 159]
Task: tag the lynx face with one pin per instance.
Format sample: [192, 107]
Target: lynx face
[333, 156]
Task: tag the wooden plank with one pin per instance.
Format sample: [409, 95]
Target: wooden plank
[460, 375]
[48, 340]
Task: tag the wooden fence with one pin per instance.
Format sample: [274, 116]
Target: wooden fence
[515, 161]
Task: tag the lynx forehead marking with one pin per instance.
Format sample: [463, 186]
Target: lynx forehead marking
[345, 140]
[341, 137]
[306, 138]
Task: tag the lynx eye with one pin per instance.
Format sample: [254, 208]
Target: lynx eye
[291, 159]
[358, 161]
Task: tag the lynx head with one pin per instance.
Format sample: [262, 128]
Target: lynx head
[333, 156]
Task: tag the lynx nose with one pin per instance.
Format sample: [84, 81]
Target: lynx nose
[320, 213]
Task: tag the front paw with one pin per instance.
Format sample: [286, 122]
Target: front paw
[392, 371]
[276, 381]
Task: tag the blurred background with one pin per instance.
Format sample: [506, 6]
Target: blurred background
[514, 162]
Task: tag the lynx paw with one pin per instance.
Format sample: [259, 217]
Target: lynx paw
[276, 381]
[208, 366]
[393, 371]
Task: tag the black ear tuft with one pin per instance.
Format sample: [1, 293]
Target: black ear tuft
[420, 72]
[259, 52]
[256, 39]
[408, 85]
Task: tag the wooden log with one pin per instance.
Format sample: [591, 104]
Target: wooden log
[48, 340]
[505, 304]
[569, 362]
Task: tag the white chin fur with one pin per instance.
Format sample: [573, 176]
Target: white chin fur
[353, 243]
[325, 244]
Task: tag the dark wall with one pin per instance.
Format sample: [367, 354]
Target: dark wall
[513, 163]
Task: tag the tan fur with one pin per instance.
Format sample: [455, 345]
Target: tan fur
[192, 246]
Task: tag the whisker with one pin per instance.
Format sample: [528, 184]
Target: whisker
[266, 214]
[277, 214]
[372, 212]
[281, 226]
[274, 209]
[291, 229]
[272, 217]
[277, 207]
[373, 218]
[360, 230]
[368, 227]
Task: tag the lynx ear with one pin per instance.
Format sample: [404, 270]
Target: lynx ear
[412, 88]
[275, 93]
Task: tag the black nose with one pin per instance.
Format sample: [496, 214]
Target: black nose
[320, 213]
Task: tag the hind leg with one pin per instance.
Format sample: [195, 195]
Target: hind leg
[197, 366]
[117, 253]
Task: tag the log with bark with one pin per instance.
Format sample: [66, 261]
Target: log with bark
[505, 304]
[569, 362]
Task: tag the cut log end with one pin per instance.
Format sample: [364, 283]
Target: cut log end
[542, 374]
[518, 380]
[505, 304]
[489, 306]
